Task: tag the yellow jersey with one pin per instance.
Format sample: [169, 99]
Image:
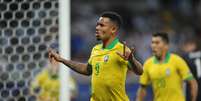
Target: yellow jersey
[49, 86]
[166, 78]
[108, 73]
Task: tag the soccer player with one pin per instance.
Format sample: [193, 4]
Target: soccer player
[166, 72]
[193, 58]
[46, 85]
[108, 63]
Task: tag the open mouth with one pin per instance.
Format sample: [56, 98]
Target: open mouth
[97, 33]
[154, 51]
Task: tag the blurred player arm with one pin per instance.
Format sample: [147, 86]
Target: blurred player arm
[186, 74]
[193, 88]
[141, 93]
[82, 68]
[144, 81]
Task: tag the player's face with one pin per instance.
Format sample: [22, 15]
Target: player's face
[104, 28]
[158, 46]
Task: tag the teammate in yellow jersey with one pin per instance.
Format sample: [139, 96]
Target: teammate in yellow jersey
[165, 72]
[46, 85]
[108, 62]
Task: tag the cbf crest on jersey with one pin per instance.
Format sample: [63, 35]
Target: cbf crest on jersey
[106, 57]
[167, 72]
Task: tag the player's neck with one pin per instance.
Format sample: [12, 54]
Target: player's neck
[162, 57]
[107, 42]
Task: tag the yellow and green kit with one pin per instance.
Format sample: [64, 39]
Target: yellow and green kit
[108, 73]
[167, 77]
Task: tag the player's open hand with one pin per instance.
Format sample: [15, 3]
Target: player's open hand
[127, 53]
[53, 55]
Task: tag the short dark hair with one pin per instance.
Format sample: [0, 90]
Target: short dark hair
[114, 17]
[163, 35]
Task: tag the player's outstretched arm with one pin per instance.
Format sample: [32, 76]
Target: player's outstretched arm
[82, 68]
[134, 63]
[141, 93]
[193, 88]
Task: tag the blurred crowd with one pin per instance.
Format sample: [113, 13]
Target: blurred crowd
[180, 18]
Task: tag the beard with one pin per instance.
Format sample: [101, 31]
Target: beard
[98, 38]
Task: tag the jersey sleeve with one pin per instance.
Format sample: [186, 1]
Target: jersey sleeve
[144, 78]
[90, 58]
[89, 61]
[183, 69]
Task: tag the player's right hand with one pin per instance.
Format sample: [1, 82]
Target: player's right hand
[127, 52]
[54, 55]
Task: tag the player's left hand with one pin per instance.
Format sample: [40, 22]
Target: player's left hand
[127, 52]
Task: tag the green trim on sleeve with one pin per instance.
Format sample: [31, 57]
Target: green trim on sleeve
[189, 78]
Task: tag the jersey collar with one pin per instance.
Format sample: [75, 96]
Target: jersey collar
[167, 58]
[112, 44]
